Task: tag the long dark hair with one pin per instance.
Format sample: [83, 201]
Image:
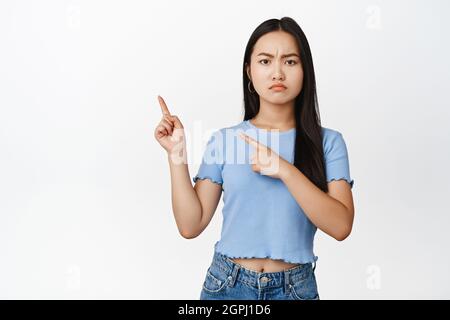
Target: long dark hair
[309, 156]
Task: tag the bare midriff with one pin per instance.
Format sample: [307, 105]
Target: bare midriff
[264, 264]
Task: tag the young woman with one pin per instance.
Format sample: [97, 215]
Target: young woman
[275, 199]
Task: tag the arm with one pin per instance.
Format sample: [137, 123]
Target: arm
[193, 207]
[331, 212]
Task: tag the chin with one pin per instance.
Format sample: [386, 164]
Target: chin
[279, 100]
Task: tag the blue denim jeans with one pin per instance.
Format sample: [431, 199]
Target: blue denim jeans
[227, 280]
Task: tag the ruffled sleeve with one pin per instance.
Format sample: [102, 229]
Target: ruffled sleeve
[336, 158]
[212, 160]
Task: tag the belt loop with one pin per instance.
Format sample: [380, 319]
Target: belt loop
[232, 277]
[286, 281]
[314, 268]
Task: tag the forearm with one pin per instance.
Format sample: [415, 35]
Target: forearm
[325, 212]
[186, 206]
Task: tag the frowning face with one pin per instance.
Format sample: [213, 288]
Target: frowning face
[275, 60]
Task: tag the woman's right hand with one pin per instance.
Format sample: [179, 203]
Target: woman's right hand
[170, 132]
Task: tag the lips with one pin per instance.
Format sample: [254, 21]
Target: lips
[278, 85]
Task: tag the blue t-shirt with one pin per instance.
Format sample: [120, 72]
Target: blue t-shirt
[261, 219]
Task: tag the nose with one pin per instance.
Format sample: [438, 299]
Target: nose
[277, 74]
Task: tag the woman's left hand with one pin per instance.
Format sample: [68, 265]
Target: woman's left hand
[265, 161]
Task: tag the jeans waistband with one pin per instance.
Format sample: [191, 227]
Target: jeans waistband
[258, 279]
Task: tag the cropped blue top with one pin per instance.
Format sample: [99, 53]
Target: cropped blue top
[261, 219]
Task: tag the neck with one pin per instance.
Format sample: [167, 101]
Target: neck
[276, 116]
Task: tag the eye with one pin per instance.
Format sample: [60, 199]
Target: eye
[292, 62]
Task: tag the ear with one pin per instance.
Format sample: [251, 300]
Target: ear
[247, 68]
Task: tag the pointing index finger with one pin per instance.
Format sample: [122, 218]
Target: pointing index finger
[163, 105]
[249, 140]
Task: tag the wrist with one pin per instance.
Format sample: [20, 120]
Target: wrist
[285, 168]
[177, 158]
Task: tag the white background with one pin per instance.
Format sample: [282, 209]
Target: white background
[85, 206]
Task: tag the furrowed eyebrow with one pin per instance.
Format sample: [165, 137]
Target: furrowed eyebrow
[283, 56]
